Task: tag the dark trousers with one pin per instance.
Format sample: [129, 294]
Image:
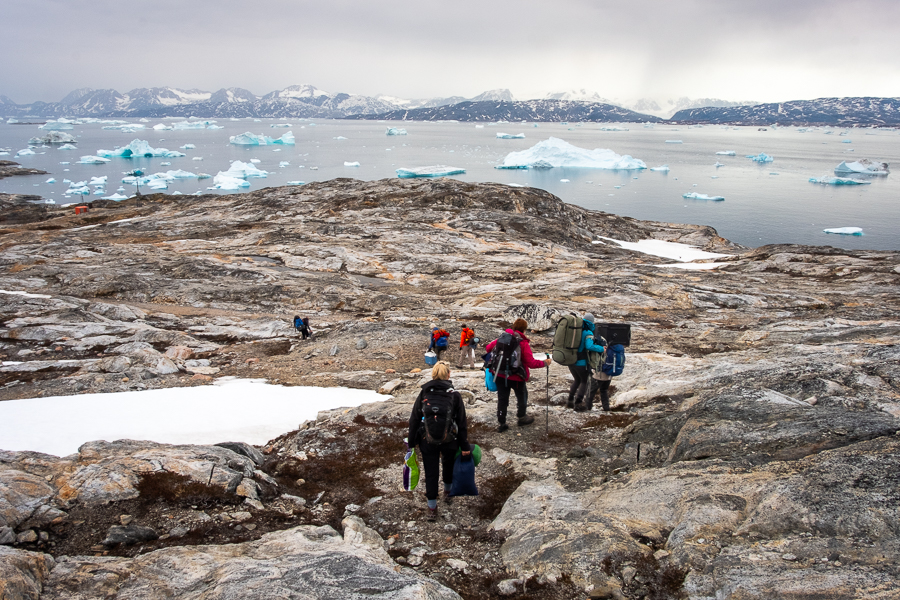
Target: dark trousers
[504, 386]
[304, 333]
[579, 387]
[433, 458]
[603, 388]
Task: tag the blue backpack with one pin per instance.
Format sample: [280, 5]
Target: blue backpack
[441, 342]
[615, 360]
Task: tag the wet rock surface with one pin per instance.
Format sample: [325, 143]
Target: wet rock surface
[751, 451]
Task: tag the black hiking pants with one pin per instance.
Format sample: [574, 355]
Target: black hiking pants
[504, 387]
[435, 457]
[579, 387]
[603, 388]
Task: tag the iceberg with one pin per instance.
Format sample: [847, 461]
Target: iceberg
[846, 141]
[340, 137]
[160, 127]
[863, 166]
[762, 157]
[611, 128]
[249, 139]
[432, 171]
[215, 127]
[25, 152]
[395, 131]
[68, 147]
[845, 230]
[674, 142]
[197, 158]
[284, 163]
[296, 182]
[351, 164]
[280, 125]
[509, 136]
[98, 180]
[243, 170]
[726, 152]
[662, 168]
[56, 126]
[181, 174]
[194, 125]
[116, 197]
[223, 182]
[93, 160]
[188, 147]
[554, 152]
[51, 180]
[696, 196]
[140, 148]
[826, 180]
[54, 137]
[718, 164]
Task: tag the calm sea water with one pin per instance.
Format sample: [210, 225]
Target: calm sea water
[764, 203]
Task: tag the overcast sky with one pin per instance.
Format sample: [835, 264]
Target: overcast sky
[765, 50]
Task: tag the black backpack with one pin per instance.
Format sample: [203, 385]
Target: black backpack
[438, 416]
[506, 357]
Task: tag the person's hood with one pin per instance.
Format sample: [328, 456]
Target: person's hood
[518, 333]
[588, 325]
[441, 385]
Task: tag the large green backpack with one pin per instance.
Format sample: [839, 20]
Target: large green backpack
[567, 339]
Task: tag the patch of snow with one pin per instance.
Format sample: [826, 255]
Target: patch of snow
[663, 249]
[26, 295]
[205, 415]
[692, 266]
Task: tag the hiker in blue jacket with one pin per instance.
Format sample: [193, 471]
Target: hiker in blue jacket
[581, 370]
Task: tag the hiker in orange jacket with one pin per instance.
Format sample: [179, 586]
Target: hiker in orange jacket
[466, 347]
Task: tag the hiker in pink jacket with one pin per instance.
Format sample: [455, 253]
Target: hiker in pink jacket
[515, 380]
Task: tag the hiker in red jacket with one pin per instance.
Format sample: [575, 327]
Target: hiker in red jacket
[439, 339]
[466, 348]
[516, 382]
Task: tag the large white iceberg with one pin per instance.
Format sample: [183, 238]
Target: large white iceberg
[432, 171]
[726, 152]
[140, 148]
[117, 197]
[762, 157]
[510, 136]
[194, 125]
[395, 131]
[224, 182]
[554, 152]
[826, 180]
[249, 139]
[845, 230]
[863, 166]
[98, 180]
[25, 152]
[56, 126]
[696, 196]
[243, 170]
[158, 127]
[93, 160]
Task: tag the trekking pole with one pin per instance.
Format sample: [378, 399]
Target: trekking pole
[547, 422]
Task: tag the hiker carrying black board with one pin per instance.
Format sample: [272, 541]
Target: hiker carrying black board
[511, 361]
[581, 371]
[613, 365]
[302, 326]
[438, 425]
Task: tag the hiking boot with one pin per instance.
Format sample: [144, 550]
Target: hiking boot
[448, 498]
[502, 427]
[581, 407]
[570, 404]
[431, 517]
[526, 420]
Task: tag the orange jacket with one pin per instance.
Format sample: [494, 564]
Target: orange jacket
[465, 337]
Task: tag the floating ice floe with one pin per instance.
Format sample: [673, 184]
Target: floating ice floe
[613, 128]
[564, 181]
[554, 152]
[510, 136]
[188, 147]
[479, 126]
[249, 139]
[395, 131]
[762, 157]
[25, 152]
[51, 180]
[351, 164]
[280, 125]
[197, 158]
[662, 168]
[255, 161]
[54, 137]
[863, 166]
[846, 141]
[56, 126]
[432, 171]
[726, 152]
[140, 148]
[296, 182]
[826, 180]
[194, 125]
[79, 187]
[674, 142]
[98, 180]
[845, 230]
[718, 164]
[93, 160]
[284, 163]
[224, 182]
[696, 196]
[162, 127]
[340, 137]
[126, 127]
[68, 147]
[117, 197]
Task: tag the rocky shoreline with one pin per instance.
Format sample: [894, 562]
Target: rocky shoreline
[751, 453]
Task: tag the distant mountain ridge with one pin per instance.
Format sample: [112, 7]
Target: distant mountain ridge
[308, 101]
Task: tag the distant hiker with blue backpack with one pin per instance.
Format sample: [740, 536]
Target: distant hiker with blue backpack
[440, 339]
[302, 326]
[511, 361]
[588, 358]
[613, 365]
[438, 426]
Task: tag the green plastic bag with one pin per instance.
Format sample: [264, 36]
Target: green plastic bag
[410, 468]
[476, 453]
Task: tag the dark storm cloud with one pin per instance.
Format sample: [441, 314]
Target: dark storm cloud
[766, 49]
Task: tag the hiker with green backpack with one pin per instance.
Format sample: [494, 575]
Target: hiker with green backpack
[589, 352]
[438, 426]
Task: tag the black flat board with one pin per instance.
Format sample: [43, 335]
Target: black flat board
[615, 333]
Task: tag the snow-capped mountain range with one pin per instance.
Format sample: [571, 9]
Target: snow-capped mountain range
[308, 101]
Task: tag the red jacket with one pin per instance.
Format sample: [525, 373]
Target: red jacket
[465, 337]
[528, 359]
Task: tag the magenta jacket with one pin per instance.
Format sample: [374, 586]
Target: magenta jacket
[528, 359]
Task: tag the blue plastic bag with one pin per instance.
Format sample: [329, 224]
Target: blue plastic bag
[489, 382]
[463, 477]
